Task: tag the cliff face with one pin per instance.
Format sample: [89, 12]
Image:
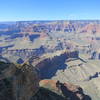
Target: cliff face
[58, 26]
[65, 26]
[48, 66]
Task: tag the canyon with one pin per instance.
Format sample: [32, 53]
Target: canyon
[61, 51]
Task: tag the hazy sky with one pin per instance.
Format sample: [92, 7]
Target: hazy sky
[13, 10]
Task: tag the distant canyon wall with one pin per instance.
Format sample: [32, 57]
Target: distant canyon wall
[52, 26]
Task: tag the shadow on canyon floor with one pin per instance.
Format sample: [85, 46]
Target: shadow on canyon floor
[49, 67]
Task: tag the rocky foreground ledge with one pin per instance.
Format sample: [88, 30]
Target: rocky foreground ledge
[22, 82]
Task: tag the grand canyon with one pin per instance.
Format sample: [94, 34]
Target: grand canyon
[50, 60]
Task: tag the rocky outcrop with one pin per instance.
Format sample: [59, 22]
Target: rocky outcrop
[21, 54]
[22, 81]
[67, 90]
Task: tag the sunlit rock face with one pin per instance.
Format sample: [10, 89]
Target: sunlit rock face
[22, 81]
[67, 90]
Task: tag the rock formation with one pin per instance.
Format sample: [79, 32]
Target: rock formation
[51, 26]
[67, 90]
[23, 80]
[50, 63]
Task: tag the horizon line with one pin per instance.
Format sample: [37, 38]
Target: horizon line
[53, 20]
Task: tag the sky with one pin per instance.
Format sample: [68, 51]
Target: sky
[24, 10]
